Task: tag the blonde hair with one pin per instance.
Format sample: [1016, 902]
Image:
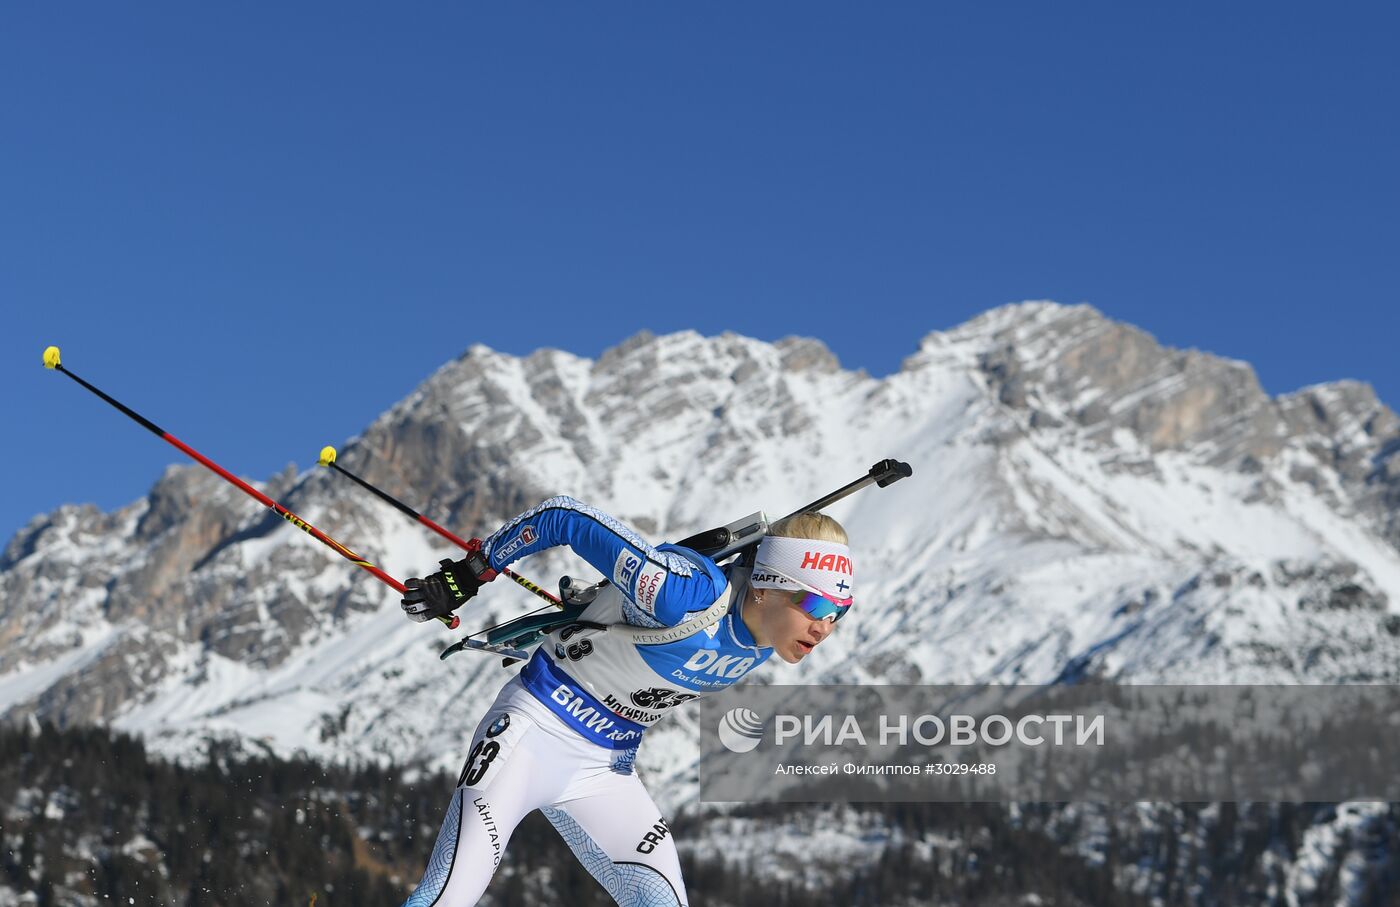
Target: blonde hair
[810, 525]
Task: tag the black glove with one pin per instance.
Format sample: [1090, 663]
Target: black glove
[439, 594]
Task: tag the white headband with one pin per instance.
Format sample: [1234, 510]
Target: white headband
[825, 566]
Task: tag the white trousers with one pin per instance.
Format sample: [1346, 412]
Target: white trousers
[523, 758]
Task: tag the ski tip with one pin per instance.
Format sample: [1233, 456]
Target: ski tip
[51, 358]
[327, 455]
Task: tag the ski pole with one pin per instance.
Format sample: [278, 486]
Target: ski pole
[328, 459]
[52, 361]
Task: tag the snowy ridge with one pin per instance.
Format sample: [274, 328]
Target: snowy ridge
[1085, 502]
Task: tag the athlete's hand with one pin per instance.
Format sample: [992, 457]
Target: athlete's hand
[439, 594]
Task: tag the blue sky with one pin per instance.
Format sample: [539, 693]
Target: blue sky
[260, 225]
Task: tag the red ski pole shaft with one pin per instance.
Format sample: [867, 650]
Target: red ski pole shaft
[327, 459]
[52, 361]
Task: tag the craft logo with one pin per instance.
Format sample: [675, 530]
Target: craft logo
[660, 831]
[741, 730]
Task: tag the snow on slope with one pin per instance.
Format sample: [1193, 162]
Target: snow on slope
[1084, 502]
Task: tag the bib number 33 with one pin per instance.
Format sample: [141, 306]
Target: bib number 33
[484, 752]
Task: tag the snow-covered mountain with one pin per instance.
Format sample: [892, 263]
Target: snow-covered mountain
[1084, 502]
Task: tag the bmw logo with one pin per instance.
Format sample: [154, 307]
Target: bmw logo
[498, 726]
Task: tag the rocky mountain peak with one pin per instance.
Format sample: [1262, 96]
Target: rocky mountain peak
[1079, 488]
[801, 354]
[1070, 365]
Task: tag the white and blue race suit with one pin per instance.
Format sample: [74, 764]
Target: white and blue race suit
[563, 733]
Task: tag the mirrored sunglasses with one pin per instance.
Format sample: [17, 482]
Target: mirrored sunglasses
[814, 603]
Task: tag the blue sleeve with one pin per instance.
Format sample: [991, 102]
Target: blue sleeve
[660, 582]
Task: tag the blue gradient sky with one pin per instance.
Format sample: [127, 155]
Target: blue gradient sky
[261, 226]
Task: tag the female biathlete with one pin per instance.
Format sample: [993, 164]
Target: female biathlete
[563, 733]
